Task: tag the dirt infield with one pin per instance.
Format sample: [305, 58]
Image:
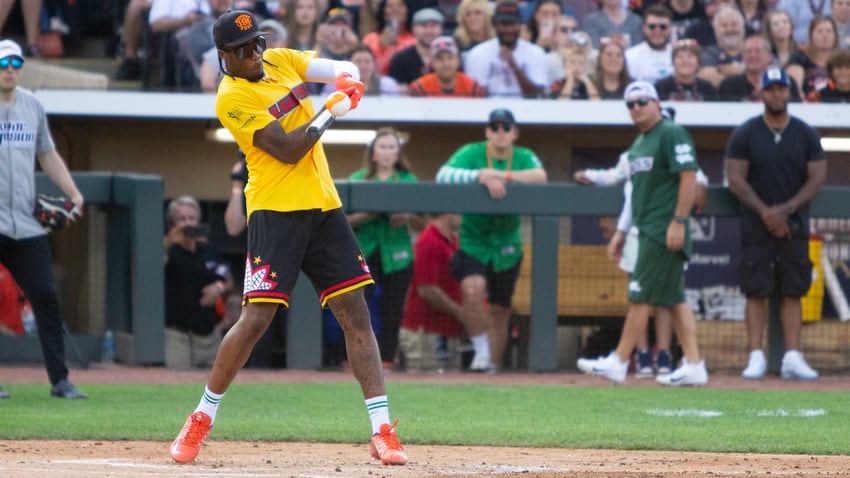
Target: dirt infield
[41, 459]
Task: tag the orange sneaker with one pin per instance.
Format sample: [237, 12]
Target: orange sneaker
[386, 447]
[188, 443]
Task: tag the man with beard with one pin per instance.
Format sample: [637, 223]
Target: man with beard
[724, 59]
[652, 59]
[415, 60]
[507, 65]
[775, 166]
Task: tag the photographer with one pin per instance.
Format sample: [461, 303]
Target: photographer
[196, 282]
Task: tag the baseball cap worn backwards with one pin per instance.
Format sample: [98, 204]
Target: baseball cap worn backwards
[10, 48]
[507, 12]
[427, 15]
[774, 76]
[444, 43]
[234, 28]
[640, 89]
[503, 116]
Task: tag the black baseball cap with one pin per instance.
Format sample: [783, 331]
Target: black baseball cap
[507, 12]
[503, 116]
[234, 28]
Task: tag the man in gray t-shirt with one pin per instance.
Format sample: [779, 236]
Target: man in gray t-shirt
[24, 250]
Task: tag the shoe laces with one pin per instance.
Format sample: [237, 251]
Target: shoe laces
[388, 438]
[196, 433]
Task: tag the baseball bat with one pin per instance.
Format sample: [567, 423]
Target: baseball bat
[84, 364]
[322, 121]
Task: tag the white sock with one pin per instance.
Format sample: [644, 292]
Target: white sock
[481, 345]
[209, 404]
[379, 412]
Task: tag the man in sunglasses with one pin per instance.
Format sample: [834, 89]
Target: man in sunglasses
[652, 59]
[662, 166]
[24, 249]
[488, 261]
[295, 219]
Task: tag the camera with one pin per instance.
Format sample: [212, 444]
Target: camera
[194, 232]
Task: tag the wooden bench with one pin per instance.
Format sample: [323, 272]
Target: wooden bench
[590, 286]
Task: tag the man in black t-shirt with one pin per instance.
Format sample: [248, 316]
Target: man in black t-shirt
[414, 61]
[757, 56]
[775, 166]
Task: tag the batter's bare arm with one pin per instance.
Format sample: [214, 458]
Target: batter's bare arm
[286, 147]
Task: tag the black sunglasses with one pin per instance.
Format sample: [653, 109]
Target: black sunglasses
[16, 62]
[657, 26]
[566, 29]
[639, 101]
[497, 126]
[243, 52]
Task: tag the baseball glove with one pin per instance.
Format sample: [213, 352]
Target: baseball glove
[55, 212]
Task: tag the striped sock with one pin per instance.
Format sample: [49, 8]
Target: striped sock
[379, 412]
[209, 403]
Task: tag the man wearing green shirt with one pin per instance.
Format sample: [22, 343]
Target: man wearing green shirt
[662, 166]
[488, 261]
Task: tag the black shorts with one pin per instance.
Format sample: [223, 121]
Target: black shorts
[500, 285]
[775, 265]
[281, 244]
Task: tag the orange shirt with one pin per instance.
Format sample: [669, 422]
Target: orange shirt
[383, 55]
[429, 85]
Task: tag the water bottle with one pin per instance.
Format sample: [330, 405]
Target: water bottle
[108, 347]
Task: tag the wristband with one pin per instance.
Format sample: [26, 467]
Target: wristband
[680, 219]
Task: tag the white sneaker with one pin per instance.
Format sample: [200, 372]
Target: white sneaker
[756, 366]
[794, 367]
[610, 367]
[480, 363]
[693, 374]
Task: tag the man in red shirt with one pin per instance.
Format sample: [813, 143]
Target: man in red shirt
[433, 306]
[447, 79]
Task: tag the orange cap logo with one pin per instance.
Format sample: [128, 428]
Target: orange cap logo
[243, 22]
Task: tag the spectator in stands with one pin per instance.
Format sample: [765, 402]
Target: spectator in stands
[433, 310]
[652, 59]
[725, 58]
[610, 73]
[747, 85]
[576, 83]
[540, 28]
[804, 12]
[613, 19]
[566, 36]
[838, 88]
[683, 84]
[446, 79]
[841, 17]
[663, 168]
[685, 14]
[753, 12]
[24, 248]
[374, 83]
[490, 254]
[385, 239]
[808, 68]
[775, 166]
[196, 283]
[779, 32]
[276, 37]
[336, 38]
[302, 23]
[414, 61]
[130, 68]
[508, 65]
[31, 11]
[474, 24]
[392, 33]
[191, 22]
[703, 29]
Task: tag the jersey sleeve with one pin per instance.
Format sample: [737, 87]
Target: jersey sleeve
[680, 150]
[816, 152]
[242, 115]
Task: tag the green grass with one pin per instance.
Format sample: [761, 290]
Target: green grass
[518, 416]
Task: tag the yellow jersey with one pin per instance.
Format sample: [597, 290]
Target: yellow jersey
[244, 107]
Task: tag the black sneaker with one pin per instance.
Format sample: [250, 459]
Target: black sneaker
[3, 393]
[129, 70]
[66, 389]
[644, 365]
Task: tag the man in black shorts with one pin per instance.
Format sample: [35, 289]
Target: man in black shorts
[775, 166]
